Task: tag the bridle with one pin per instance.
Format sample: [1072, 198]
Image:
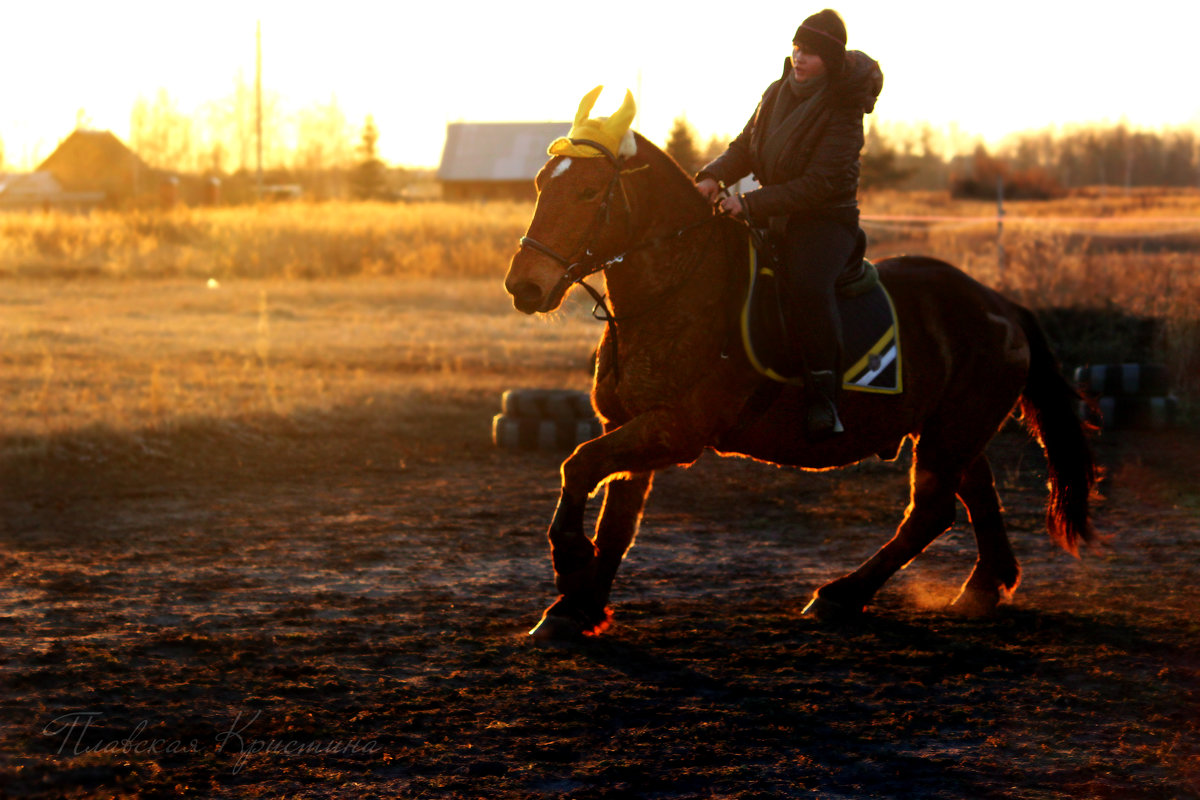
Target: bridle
[577, 268]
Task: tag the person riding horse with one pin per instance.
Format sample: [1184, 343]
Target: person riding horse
[802, 144]
[609, 201]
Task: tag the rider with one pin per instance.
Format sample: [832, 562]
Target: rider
[803, 144]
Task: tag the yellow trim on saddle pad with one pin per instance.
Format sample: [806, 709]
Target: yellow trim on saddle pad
[881, 355]
[759, 367]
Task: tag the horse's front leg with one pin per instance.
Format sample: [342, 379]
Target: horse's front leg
[584, 569]
[582, 607]
[571, 551]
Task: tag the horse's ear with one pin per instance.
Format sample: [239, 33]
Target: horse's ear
[624, 115]
[585, 106]
[611, 132]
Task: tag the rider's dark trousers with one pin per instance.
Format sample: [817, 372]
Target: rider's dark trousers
[815, 250]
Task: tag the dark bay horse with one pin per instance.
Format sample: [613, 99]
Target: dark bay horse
[672, 380]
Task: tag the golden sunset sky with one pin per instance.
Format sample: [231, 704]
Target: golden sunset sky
[980, 69]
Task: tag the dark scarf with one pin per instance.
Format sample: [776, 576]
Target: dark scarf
[795, 103]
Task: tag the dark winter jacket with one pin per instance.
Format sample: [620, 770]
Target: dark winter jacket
[819, 167]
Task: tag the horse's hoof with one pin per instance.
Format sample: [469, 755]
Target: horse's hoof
[557, 630]
[975, 603]
[831, 611]
[567, 625]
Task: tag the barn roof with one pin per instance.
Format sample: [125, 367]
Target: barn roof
[85, 156]
[497, 151]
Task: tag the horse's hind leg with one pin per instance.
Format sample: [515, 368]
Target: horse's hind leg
[585, 589]
[929, 514]
[996, 573]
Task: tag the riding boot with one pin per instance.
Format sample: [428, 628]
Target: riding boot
[821, 416]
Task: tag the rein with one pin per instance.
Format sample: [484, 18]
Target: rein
[579, 276]
[577, 270]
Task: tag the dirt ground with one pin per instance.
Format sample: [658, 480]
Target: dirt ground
[273, 610]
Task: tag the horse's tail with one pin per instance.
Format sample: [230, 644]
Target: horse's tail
[1050, 410]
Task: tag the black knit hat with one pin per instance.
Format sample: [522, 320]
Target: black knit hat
[824, 33]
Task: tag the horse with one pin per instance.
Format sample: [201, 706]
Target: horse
[669, 385]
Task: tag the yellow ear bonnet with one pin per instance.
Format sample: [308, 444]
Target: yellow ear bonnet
[607, 131]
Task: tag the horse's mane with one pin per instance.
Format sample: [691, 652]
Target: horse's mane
[665, 167]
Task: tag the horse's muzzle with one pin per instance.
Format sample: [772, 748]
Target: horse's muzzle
[527, 297]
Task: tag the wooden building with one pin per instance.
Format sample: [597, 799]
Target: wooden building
[99, 162]
[495, 160]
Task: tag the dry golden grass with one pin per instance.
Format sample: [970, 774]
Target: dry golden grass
[108, 322]
[143, 357]
[440, 239]
[1108, 202]
[298, 240]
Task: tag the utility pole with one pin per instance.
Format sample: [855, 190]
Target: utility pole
[258, 102]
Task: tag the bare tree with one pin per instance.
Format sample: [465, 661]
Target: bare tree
[323, 148]
[229, 130]
[161, 134]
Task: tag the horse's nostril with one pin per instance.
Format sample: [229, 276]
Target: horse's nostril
[527, 296]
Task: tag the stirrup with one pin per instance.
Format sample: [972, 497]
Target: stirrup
[821, 420]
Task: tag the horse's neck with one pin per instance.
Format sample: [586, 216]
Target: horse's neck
[672, 270]
[691, 269]
[672, 203]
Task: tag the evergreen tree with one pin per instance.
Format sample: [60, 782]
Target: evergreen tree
[681, 146]
[880, 169]
[715, 147]
[370, 176]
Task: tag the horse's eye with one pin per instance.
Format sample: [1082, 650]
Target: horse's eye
[589, 194]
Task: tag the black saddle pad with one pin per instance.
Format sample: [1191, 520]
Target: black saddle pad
[870, 331]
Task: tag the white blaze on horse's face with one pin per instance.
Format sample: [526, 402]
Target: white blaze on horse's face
[561, 168]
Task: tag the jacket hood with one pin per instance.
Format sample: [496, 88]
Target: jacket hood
[859, 84]
[861, 80]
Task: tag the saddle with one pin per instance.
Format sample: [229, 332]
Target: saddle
[870, 333]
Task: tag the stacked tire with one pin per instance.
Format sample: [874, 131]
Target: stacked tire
[544, 419]
[1128, 396]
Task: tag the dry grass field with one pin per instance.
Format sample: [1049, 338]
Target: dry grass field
[128, 355]
[292, 241]
[1131, 254]
[255, 542]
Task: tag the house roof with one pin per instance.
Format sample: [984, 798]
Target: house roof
[86, 159]
[497, 151]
